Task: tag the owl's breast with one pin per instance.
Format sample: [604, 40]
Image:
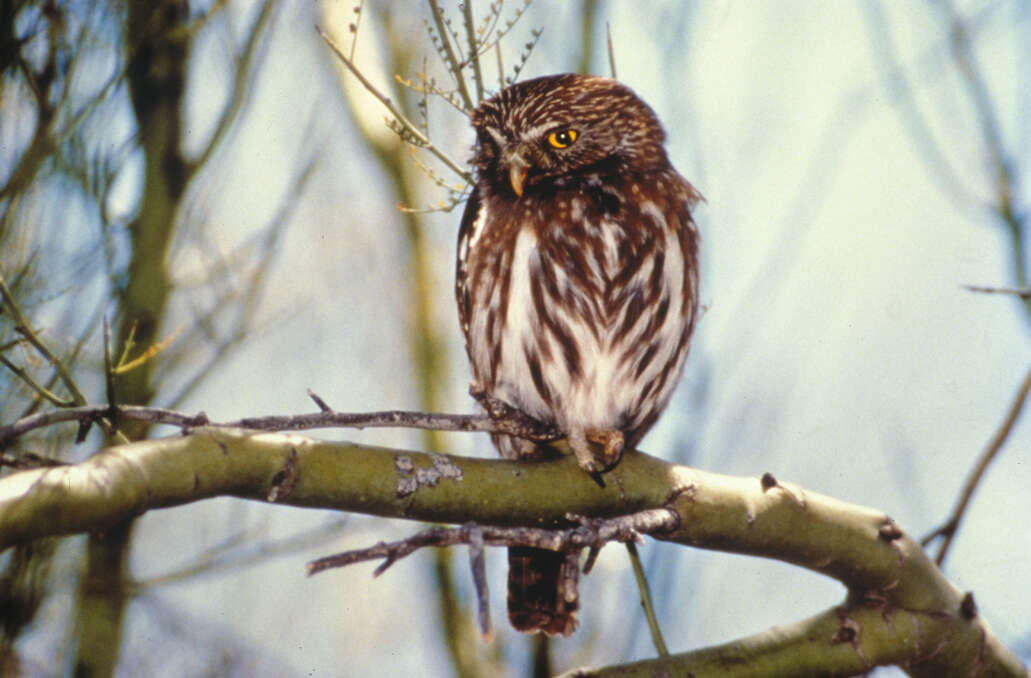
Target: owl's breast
[573, 314]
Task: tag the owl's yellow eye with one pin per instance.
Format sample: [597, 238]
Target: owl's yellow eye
[562, 138]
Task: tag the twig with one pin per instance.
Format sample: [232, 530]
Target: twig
[241, 550]
[612, 54]
[900, 88]
[478, 566]
[489, 41]
[1006, 177]
[501, 66]
[474, 57]
[428, 86]
[590, 532]
[517, 425]
[356, 25]
[646, 600]
[244, 68]
[404, 122]
[27, 461]
[323, 407]
[254, 285]
[1022, 292]
[21, 325]
[948, 530]
[42, 391]
[450, 60]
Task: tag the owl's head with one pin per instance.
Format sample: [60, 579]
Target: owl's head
[540, 131]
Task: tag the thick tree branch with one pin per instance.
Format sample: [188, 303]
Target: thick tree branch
[900, 610]
[844, 641]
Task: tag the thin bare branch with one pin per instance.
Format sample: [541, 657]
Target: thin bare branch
[245, 308]
[453, 62]
[244, 67]
[1005, 175]
[21, 325]
[898, 85]
[356, 25]
[474, 55]
[427, 86]
[240, 551]
[590, 532]
[501, 66]
[323, 407]
[646, 600]
[510, 424]
[612, 54]
[488, 41]
[478, 566]
[535, 36]
[947, 531]
[1022, 292]
[39, 389]
[404, 122]
[27, 461]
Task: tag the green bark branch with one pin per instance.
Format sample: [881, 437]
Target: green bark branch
[900, 608]
[844, 641]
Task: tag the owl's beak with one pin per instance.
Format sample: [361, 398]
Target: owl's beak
[517, 167]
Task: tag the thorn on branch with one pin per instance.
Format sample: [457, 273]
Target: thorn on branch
[967, 606]
[592, 558]
[323, 407]
[889, 530]
[848, 632]
[769, 481]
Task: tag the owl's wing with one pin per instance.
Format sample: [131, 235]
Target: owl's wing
[472, 211]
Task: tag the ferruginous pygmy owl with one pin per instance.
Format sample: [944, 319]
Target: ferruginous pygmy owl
[577, 285]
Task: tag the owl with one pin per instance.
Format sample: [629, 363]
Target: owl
[577, 286]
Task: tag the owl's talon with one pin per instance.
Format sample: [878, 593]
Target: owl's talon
[613, 442]
[586, 457]
[582, 450]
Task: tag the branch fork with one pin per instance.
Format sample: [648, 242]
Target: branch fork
[589, 533]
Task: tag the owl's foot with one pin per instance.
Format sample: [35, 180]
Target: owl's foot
[612, 442]
[494, 407]
[519, 423]
[593, 462]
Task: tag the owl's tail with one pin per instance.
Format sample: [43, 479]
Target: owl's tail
[542, 590]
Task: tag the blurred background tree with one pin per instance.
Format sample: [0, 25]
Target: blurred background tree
[111, 164]
[862, 162]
